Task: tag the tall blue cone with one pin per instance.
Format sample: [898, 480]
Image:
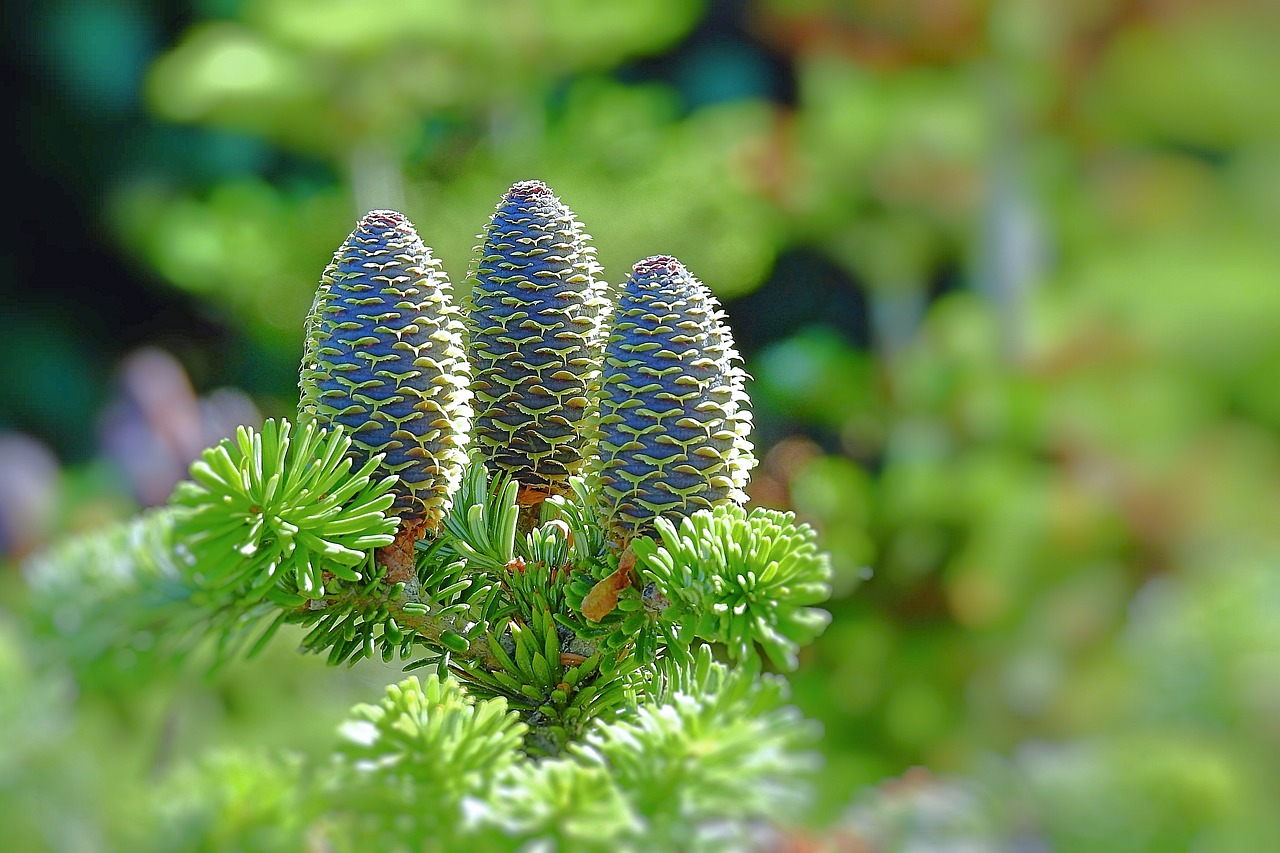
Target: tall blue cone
[384, 357]
[674, 419]
[537, 307]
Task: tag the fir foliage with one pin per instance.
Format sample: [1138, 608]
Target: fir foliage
[630, 628]
[115, 602]
[269, 516]
[577, 807]
[741, 578]
[577, 512]
[428, 746]
[711, 751]
[481, 522]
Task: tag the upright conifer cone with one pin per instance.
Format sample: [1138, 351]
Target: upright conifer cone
[384, 357]
[537, 309]
[674, 415]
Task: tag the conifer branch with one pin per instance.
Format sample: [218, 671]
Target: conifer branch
[567, 612]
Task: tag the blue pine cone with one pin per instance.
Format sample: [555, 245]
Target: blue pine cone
[674, 416]
[537, 309]
[384, 357]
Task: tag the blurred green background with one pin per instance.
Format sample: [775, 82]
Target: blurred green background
[1006, 273]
